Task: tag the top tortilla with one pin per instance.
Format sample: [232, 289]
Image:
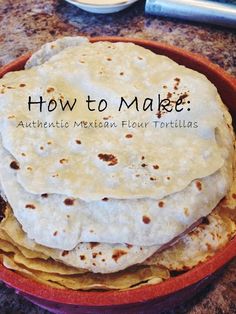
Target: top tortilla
[153, 163]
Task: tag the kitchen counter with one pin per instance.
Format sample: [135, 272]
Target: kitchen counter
[26, 25]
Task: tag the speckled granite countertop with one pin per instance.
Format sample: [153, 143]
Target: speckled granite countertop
[25, 25]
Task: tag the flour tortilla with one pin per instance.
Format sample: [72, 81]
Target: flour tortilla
[89, 69]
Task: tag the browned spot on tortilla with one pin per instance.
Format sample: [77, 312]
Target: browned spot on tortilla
[14, 165]
[209, 246]
[129, 246]
[161, 204]
[109, 158]
[155, 167]
[22, 85]
[109, 59]
[29, 168]
[78, 142]
[137, 175]
[121, 73]
[31, 206]
[105, 199]
[146, 219]
[93, 244]
[205, 221]
[64, 253]
[64, 161]
[117, 254]
[50, 89]
[3, 206]
[11, 117]
[41, 147]
[186, 212]
[144, 165]
[94, 264]
[82, 257]
[49, 142]
[55, 233]
[234, 195]
[23, 154]
[164, 86]
[143, 158]
[94, 255]
[184, 95]
[69, 201]
[169, 95]
[168, 178]
[128, 135]
[198, 185]
[55, 175]
[177, 80]
[158, 114]
[68, 216]
[140, 58]
[44, 195]
[152, 178]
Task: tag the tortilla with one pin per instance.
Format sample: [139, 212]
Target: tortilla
[92, 164]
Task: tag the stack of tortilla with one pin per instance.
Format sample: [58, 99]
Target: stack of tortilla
[88, 207]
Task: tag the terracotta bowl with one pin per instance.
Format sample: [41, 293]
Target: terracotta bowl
[151, 298]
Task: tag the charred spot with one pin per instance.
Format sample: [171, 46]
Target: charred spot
[23, 154]
[161, 204]
[78, 142]
[103, 260]
[3, 206]
[31, 206]
[22, 85]
[155, 167]
[185, 95]
[55, 233]
[41, 147]
[44, 195]
[94, 255]
[63, 161]
[168, 95]
[14, 165]
[68, 216]
[142, 157]
[64, 253]
[198, 185]
[152, 178]
[146, 220]
[128, 135]
[158, 114]
[69, 201]
[94, 264]
[168, 178]
[109, 158]
[82, 257]
[109, 59]
[164, 86]
[129, 246]
[117, 254]
[121, 73]
[50, 89]
[144, 165]
[205, 221]
[93, 244]
[49, 142]
[105, 199]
